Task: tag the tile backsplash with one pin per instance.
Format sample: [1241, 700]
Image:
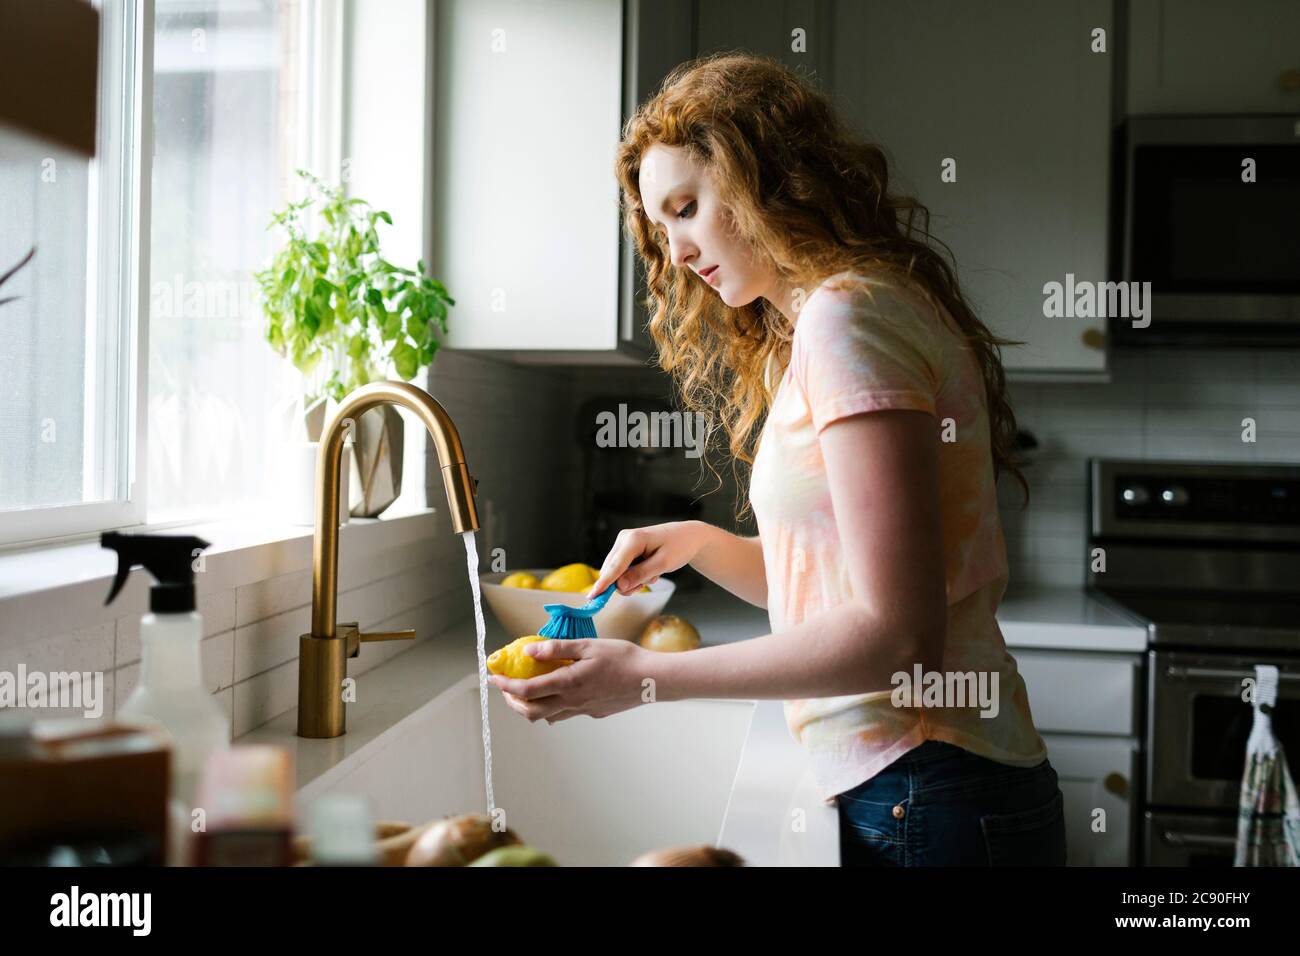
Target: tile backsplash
[250, 640]
[519, 426]
[1160, 404]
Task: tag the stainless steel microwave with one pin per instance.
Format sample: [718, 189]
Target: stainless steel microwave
[1212, 221]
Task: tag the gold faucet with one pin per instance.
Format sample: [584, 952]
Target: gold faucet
[323, 654]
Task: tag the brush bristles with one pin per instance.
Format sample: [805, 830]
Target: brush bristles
[568, 627]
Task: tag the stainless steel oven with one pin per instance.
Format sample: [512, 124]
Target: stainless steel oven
[1212, 221]
[1199, 724]
[1188, 839]
[1207, 557]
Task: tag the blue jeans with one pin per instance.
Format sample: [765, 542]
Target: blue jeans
[941, 805]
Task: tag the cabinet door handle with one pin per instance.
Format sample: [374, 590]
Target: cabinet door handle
[1094, 338]
[1115, 783]
[1289, 81]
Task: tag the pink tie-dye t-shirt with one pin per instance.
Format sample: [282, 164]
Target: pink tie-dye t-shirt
[850, 355]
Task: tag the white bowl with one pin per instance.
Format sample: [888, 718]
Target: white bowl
[521, 610]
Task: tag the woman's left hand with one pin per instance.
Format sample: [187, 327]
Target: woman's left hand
[607, 677]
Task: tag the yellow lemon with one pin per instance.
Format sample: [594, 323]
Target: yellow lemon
[571, 577]
[512, 661]
[520, 579]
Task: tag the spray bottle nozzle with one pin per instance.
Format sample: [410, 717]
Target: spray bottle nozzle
[169, 558]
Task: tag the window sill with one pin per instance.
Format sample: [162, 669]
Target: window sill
[61, 588]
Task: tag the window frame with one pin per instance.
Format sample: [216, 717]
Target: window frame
[117, 342]
[124, 157]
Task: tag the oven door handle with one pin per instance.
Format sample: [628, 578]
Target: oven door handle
[1219, 673]
[1208, 840]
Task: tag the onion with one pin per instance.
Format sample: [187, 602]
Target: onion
[458, 841]
[668, 632]
[701, 855]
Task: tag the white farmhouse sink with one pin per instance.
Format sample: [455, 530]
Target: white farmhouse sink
[589, 792]
[725, 773]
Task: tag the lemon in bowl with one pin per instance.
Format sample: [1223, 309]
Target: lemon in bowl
[570, 578]
[521, 579]
[521, 609]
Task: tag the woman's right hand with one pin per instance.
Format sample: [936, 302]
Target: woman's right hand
[640, 555]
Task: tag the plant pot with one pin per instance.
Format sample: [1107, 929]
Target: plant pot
[377, 444]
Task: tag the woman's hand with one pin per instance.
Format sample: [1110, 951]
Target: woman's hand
[640, 555]
[608, 676]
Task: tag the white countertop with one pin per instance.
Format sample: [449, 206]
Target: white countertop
[1067, 619]
[1057, 618]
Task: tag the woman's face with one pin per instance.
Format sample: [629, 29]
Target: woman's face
[679, 198]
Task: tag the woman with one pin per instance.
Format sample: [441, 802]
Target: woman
[798, 305]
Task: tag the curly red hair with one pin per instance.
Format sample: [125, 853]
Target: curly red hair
[803, 194]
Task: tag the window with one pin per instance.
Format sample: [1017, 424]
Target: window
[139, 386]
[232, 119]
[65, 422]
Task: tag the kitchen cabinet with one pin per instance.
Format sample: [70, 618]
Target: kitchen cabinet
[1013, 94]
[1207, 56]
[1087, 708]
[1083, 693]
[1098, 780]
[526, 231]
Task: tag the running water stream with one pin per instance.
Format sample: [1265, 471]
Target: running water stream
[471, 556]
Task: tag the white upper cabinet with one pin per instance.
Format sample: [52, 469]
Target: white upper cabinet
[1011, 92]
[528, 103]
[529, 100]
[1208, 56]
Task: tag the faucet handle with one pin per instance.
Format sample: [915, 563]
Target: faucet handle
[351, 633]
[404, 635]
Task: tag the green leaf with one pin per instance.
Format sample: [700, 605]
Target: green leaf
[417, 327]
[391, 327]
[405, 360]
[389, 267]
[428, 350]
[312, 315]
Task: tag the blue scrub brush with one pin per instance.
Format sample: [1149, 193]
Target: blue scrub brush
[574, 622]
